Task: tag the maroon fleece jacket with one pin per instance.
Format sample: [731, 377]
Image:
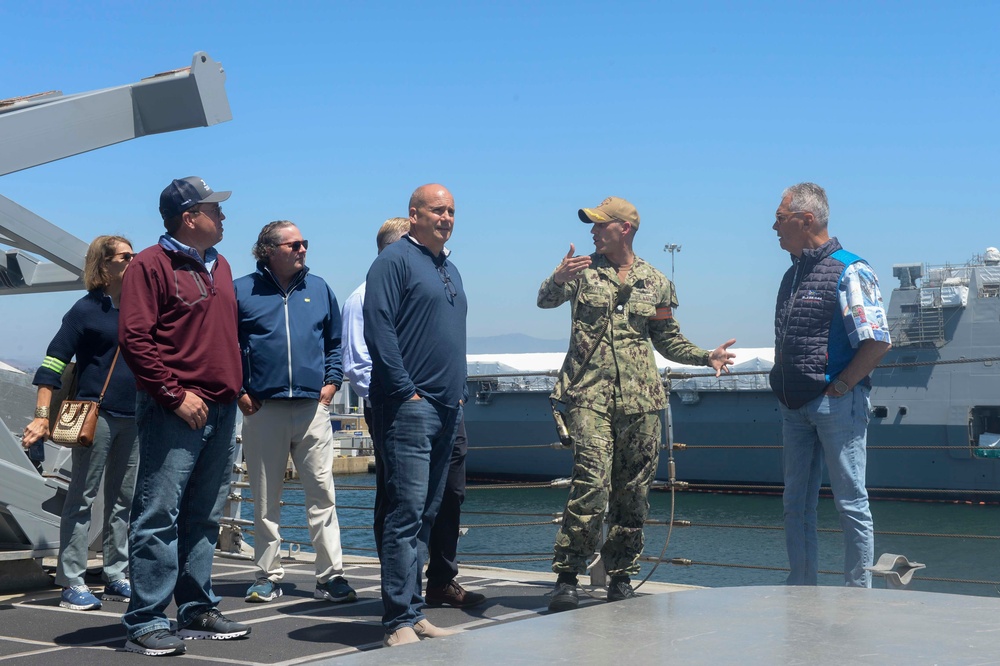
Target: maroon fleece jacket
[177, 327]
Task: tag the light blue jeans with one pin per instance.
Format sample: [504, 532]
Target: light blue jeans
[417, 437]
[831, 431]
[115, 450]
[181, 488]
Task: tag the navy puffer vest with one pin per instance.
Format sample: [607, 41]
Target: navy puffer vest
[811, 346]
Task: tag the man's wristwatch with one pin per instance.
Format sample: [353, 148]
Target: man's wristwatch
[841, 387]
[41, 412]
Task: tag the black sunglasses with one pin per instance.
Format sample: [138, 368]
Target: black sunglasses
[448, 284]
[297, 245]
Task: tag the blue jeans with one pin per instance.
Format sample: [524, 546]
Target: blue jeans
[417, 437]
[442, 549]
[182, 485]
[834, 431]
[115, 450]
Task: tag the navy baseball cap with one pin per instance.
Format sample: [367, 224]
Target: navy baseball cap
[184, 193]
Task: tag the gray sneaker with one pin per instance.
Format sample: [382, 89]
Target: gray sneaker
[336, 590]
[262, 591]
[158, 643]
[213, 625]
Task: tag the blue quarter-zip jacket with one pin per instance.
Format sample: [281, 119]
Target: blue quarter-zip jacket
[290, 340]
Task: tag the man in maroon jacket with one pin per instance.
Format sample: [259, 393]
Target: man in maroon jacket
[177, 331]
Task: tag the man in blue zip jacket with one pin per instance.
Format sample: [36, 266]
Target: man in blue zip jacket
[289, 333]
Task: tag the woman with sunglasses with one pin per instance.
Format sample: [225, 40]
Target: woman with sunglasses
[89, 332]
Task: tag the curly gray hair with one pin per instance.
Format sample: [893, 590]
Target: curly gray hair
[268, 239]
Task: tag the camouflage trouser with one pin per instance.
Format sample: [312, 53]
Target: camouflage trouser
[613, 466]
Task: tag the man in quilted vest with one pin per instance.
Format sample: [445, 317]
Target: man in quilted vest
[830, 333]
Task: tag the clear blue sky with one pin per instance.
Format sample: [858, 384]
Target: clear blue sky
[698, 113]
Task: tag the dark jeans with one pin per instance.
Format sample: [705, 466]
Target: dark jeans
[181, 487]
[416, 441]
[442, 561]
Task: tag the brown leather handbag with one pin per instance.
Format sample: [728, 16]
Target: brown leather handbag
[76, 423]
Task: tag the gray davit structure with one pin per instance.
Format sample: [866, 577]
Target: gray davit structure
[35, 130]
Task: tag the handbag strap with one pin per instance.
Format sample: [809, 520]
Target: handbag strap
[108, 380]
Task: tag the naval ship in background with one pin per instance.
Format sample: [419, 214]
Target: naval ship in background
[935, 422]
[935, 428]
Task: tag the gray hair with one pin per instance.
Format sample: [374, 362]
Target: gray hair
[391, 231]
[268, 239]
[809, 198]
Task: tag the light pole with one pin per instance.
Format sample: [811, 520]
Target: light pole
[671, 248]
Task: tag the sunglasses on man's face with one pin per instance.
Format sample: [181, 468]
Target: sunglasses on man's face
[296, 245]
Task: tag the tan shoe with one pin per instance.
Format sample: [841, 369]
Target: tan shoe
[401, 636]
[424, 629]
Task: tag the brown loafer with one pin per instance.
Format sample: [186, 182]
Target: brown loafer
[454, 595]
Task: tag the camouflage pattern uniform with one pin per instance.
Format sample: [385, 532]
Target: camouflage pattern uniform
[613, 404]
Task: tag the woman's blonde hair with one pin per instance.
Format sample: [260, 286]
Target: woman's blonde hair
[100, 253]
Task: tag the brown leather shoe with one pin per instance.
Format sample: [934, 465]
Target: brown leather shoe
[424, 629]
[454, 595]
[401, 636]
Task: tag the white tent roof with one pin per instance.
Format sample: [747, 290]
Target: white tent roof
[542, 362]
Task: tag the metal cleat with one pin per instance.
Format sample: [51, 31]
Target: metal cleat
[895, 569]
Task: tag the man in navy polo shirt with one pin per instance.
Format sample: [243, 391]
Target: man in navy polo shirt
[414, 326]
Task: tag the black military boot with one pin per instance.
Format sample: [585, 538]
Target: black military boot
[565, 596]
[620, 589]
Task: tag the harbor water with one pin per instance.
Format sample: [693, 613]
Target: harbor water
[733, 539]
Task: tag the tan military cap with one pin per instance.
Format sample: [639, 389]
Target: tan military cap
[611, 209]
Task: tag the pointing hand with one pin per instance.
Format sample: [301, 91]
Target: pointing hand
[570, 267]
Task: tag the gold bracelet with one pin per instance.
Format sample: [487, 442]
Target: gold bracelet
[41, 412]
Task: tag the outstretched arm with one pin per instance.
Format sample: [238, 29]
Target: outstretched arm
[721, 358]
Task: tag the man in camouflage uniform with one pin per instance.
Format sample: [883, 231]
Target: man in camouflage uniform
[622, 309]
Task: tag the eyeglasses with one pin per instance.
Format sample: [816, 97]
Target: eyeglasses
[781, 217]
[296, 245]
[214, 209]
[448, 284]
[127, 256]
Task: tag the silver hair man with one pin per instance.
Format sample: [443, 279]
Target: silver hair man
[809, 198]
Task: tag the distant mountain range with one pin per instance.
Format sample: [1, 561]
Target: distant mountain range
[514, 343]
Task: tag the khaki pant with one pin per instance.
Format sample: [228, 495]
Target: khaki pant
[302, 428]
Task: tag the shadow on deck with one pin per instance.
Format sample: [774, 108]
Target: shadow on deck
[745, 625]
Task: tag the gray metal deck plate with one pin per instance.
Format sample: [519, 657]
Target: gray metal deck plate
[293, 629]
[740, 625]
[751, 625]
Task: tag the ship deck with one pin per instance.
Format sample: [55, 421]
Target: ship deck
[749, 625]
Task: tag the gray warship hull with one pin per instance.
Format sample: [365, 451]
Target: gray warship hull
[935, 406]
